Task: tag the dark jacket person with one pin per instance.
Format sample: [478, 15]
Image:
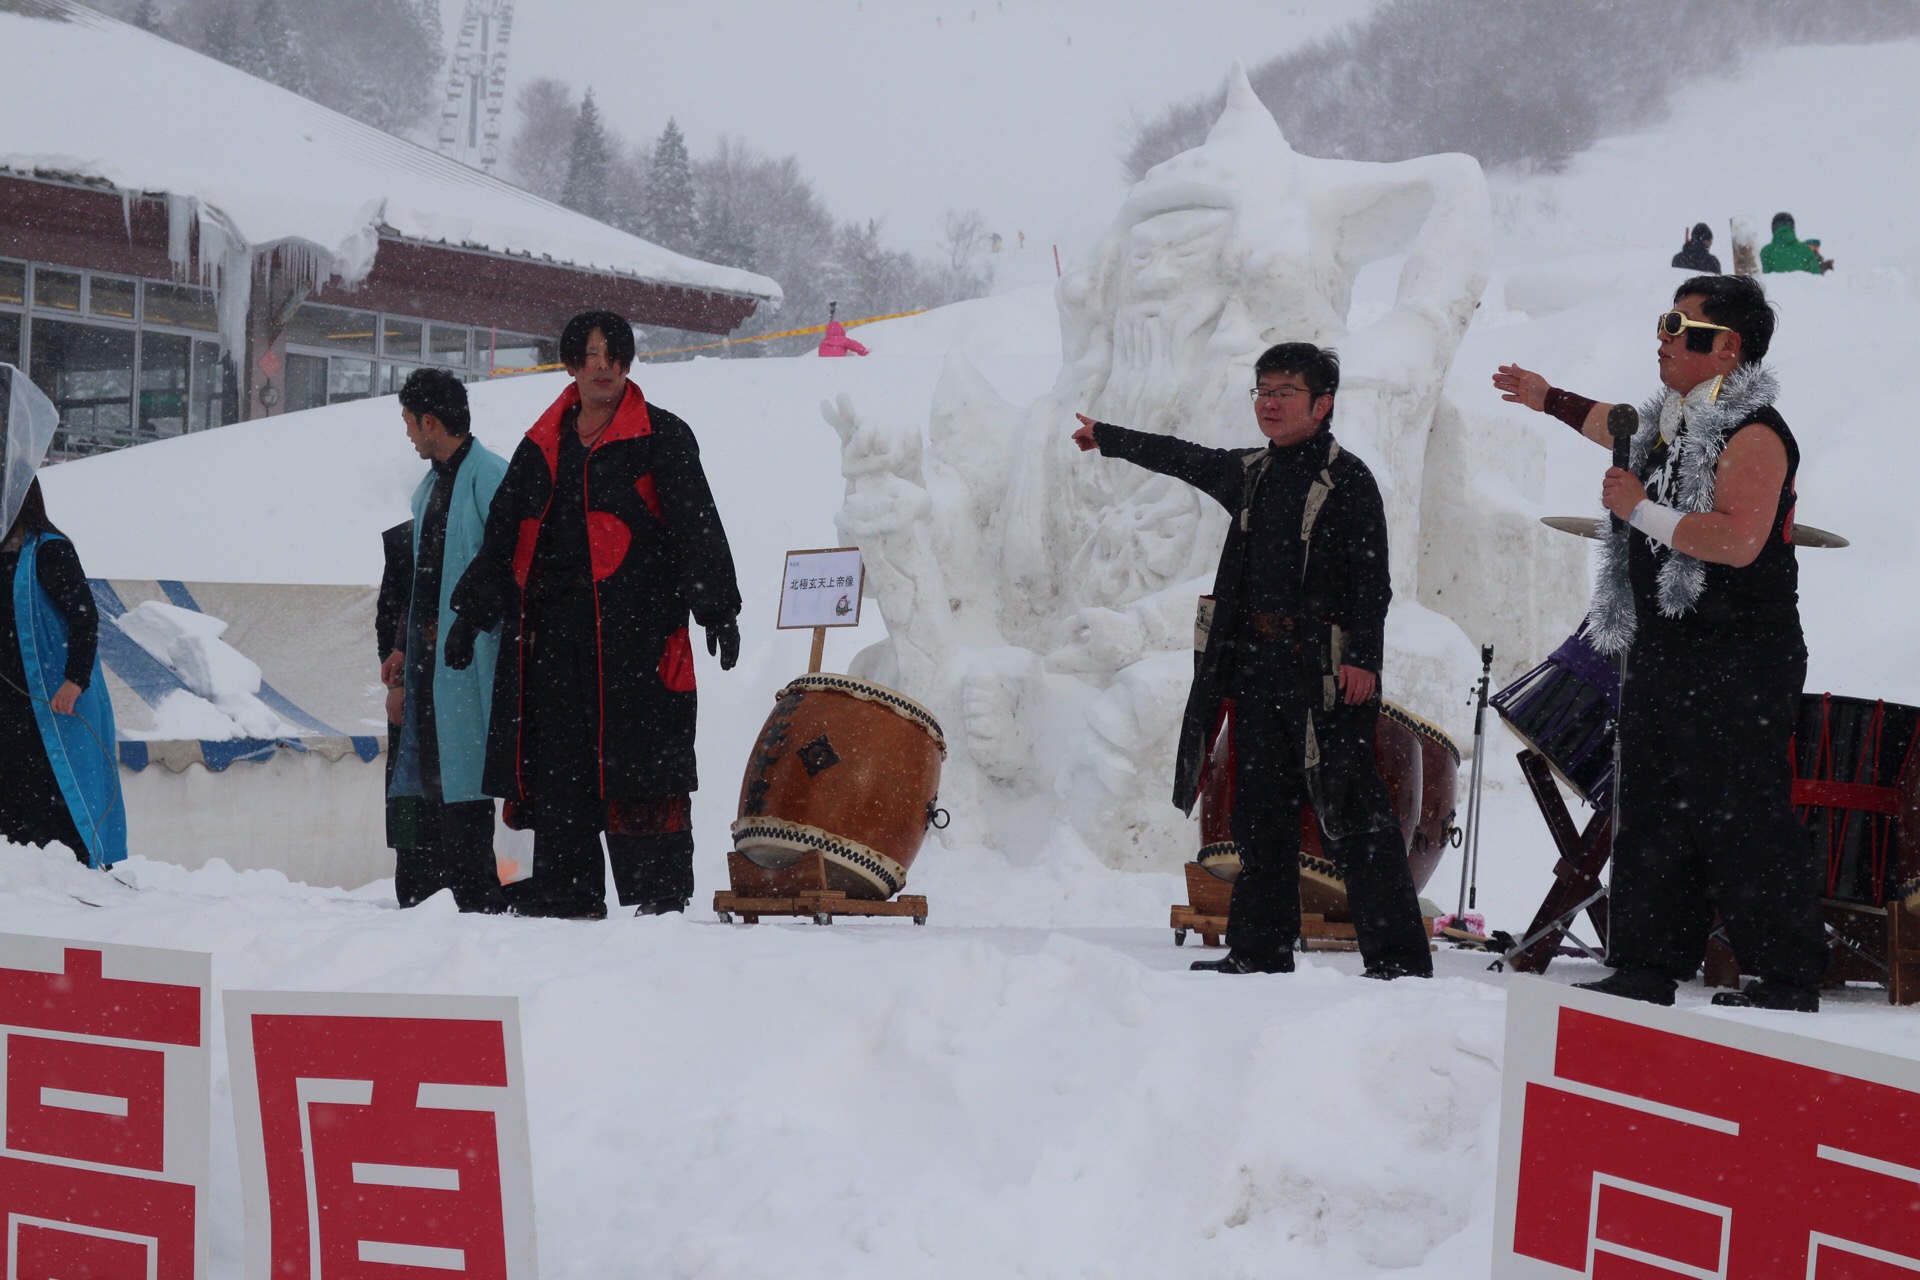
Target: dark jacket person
[1294, 651]
[1697, 253]
[602, 539]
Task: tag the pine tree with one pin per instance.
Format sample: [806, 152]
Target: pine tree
[672, 220]
[146, 16]
[724, 238]
[587, 164]
[221, 38]
[273, 53]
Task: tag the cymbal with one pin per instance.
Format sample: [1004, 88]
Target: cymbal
[1804, 535]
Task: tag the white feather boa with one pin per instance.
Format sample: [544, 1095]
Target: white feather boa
[1710, 420]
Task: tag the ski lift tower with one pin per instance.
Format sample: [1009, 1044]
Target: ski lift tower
[477, 85]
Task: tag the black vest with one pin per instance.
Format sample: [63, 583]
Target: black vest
[1753, 612]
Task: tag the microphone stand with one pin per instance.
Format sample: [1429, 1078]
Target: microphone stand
[1470, 851]
[1623, 420]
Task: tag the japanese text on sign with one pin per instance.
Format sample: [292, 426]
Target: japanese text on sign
[821, 588]
[1649, 1144]
[381, 1130]
[104, 1166]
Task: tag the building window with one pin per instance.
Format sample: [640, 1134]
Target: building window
[332, 329]
[56, 290]
[400, 339]
[520, 351]
[180, 306]
[87, 371]
[216, 391]
[306, 382]
[395, 377]
[449, 344]
[10, 337]
[349, 379]
[111, 297]
[165, 371]
[13, 284]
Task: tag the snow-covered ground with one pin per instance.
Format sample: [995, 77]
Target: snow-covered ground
[1031, 1086]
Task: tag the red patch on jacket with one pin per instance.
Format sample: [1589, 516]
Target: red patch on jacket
[650, 494]
[676, 663]
[607, 541]
[528, 539]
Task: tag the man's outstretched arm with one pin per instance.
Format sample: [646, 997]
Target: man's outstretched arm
[1218, 473]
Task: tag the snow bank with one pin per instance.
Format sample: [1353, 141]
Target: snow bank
[223, 698]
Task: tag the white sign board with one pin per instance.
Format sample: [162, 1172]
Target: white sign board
[381, 1134]
[1637, 1141]
[104, 1108]
[821, 588]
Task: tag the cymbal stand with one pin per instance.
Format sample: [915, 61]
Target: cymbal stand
[1470, 851]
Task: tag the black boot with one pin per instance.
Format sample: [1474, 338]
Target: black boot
[662, 907]
[1761, 994]
[1387, 971]
[1239, 962]
[1633, 984]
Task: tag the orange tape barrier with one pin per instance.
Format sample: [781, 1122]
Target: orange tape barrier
[726, 342]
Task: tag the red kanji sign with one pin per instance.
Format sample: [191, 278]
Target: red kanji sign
[1637, 1143]
[381, 1136]
[103, 1167]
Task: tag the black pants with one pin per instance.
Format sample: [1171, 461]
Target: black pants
[650, 868]
[1706, 822]
[1272, 783]
[453, 850]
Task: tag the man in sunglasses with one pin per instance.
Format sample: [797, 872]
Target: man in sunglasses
[1697, 592]
[1293, 645]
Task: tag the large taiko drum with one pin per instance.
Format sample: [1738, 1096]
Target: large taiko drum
[849, 769]
[1420, 765]
[1856, 789]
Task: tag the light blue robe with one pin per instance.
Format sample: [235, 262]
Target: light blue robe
[81, 747]
[462, 700]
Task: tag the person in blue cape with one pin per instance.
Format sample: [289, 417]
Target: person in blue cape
[442, 743]
[62, 777]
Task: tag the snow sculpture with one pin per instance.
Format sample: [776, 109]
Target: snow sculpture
[1041, 601]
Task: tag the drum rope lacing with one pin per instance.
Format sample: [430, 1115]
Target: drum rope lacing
[852, 687]
[1424, 728]
[794, 835]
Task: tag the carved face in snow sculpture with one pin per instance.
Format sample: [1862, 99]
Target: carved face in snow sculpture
[1217, 254]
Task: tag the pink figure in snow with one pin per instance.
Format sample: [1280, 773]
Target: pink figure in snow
[836, 342]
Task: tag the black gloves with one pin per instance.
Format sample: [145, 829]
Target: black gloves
[459, 648]
[723, 638]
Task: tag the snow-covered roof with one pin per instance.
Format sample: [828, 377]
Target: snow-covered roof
[90, 97]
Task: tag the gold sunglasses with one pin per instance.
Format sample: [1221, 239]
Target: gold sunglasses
[1672, 324]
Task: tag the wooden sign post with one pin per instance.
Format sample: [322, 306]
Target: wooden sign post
[821, 589]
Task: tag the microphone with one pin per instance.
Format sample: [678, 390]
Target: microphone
[1622, 421]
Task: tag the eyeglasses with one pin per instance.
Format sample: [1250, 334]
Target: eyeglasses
[1672, 324]
[1282, 394]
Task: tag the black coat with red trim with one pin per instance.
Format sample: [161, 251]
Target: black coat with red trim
[658, 554]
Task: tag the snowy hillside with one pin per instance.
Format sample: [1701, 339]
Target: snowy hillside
[1031, 1086]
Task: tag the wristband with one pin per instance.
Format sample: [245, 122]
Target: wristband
[1568, 407]
[1656, 521]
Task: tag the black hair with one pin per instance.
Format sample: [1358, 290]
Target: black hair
[1739, 303]
[33, 516]
[612, 326]
[1318, 367]
[440, 393]
[1783, 219]
[1702, 232]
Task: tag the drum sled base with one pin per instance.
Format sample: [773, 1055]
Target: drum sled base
[1206, 915]
[1878, 945]
[800, 890]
